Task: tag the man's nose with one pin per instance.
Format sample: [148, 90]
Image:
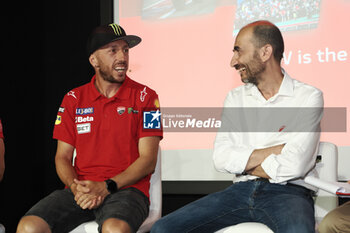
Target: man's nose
[233, 60]
[121, 55]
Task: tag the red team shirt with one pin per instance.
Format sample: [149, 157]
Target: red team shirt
[105, 131]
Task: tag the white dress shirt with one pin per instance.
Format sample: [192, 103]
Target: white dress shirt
[295, 123]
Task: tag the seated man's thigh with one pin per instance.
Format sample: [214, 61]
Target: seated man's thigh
[60, 211]
[286, 208]
[129, 205]
[210, 213]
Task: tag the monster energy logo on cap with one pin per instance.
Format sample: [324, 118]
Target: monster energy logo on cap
[106, 34]
[116, 28]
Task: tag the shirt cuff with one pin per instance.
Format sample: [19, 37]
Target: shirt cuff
[237, 164]
[270, 166]
[64, 139]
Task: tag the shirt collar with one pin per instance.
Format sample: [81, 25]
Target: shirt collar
[122, 93]
[286, 88]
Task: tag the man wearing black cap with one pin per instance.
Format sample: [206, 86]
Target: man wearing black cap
[116, 150]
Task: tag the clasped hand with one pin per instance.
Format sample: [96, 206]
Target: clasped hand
[89, 194]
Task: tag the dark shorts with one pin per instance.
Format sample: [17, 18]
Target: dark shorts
[61, 212]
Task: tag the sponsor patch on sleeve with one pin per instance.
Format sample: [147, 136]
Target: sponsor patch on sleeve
[156, 103]
[58, 120]
[71, 93]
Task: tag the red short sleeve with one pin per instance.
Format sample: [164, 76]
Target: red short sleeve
[64, 129]
[150, 121]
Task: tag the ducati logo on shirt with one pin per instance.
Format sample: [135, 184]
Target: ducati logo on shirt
[121, 110]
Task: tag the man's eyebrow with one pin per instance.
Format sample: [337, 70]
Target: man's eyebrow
[113, 46]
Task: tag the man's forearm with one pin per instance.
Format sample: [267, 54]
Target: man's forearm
[63, 161]
[65, 171]
[144, 165]
[258, 171]
[259, 155]
[139, 169]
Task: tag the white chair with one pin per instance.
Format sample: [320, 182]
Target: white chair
[327, 168]
[2, 228]
[155, 210]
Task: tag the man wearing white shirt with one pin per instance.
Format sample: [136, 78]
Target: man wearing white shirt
[268, 141]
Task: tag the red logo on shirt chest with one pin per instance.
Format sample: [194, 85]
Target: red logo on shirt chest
[121, 110]
[281, 128]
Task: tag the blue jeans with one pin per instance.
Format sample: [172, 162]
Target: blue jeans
[283, 208]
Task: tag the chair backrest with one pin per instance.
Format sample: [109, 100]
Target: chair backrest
[156, 186]
[327, 169]
[155, 193]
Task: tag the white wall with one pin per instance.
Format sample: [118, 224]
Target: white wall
[197, 165]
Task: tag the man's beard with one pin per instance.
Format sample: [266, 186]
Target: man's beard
[108, 77]
[253, 70]
[250, 79]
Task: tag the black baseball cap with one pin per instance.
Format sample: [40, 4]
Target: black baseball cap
[105, 34]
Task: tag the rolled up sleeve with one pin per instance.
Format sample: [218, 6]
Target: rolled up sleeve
[229, 156]
[298, 156]
[231, 153]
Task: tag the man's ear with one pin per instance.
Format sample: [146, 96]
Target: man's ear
[266, 52]
[93, 60]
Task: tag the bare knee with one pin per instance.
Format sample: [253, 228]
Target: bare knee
[32, 224]
[113, 225]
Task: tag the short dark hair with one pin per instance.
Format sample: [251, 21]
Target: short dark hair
[265, 32]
